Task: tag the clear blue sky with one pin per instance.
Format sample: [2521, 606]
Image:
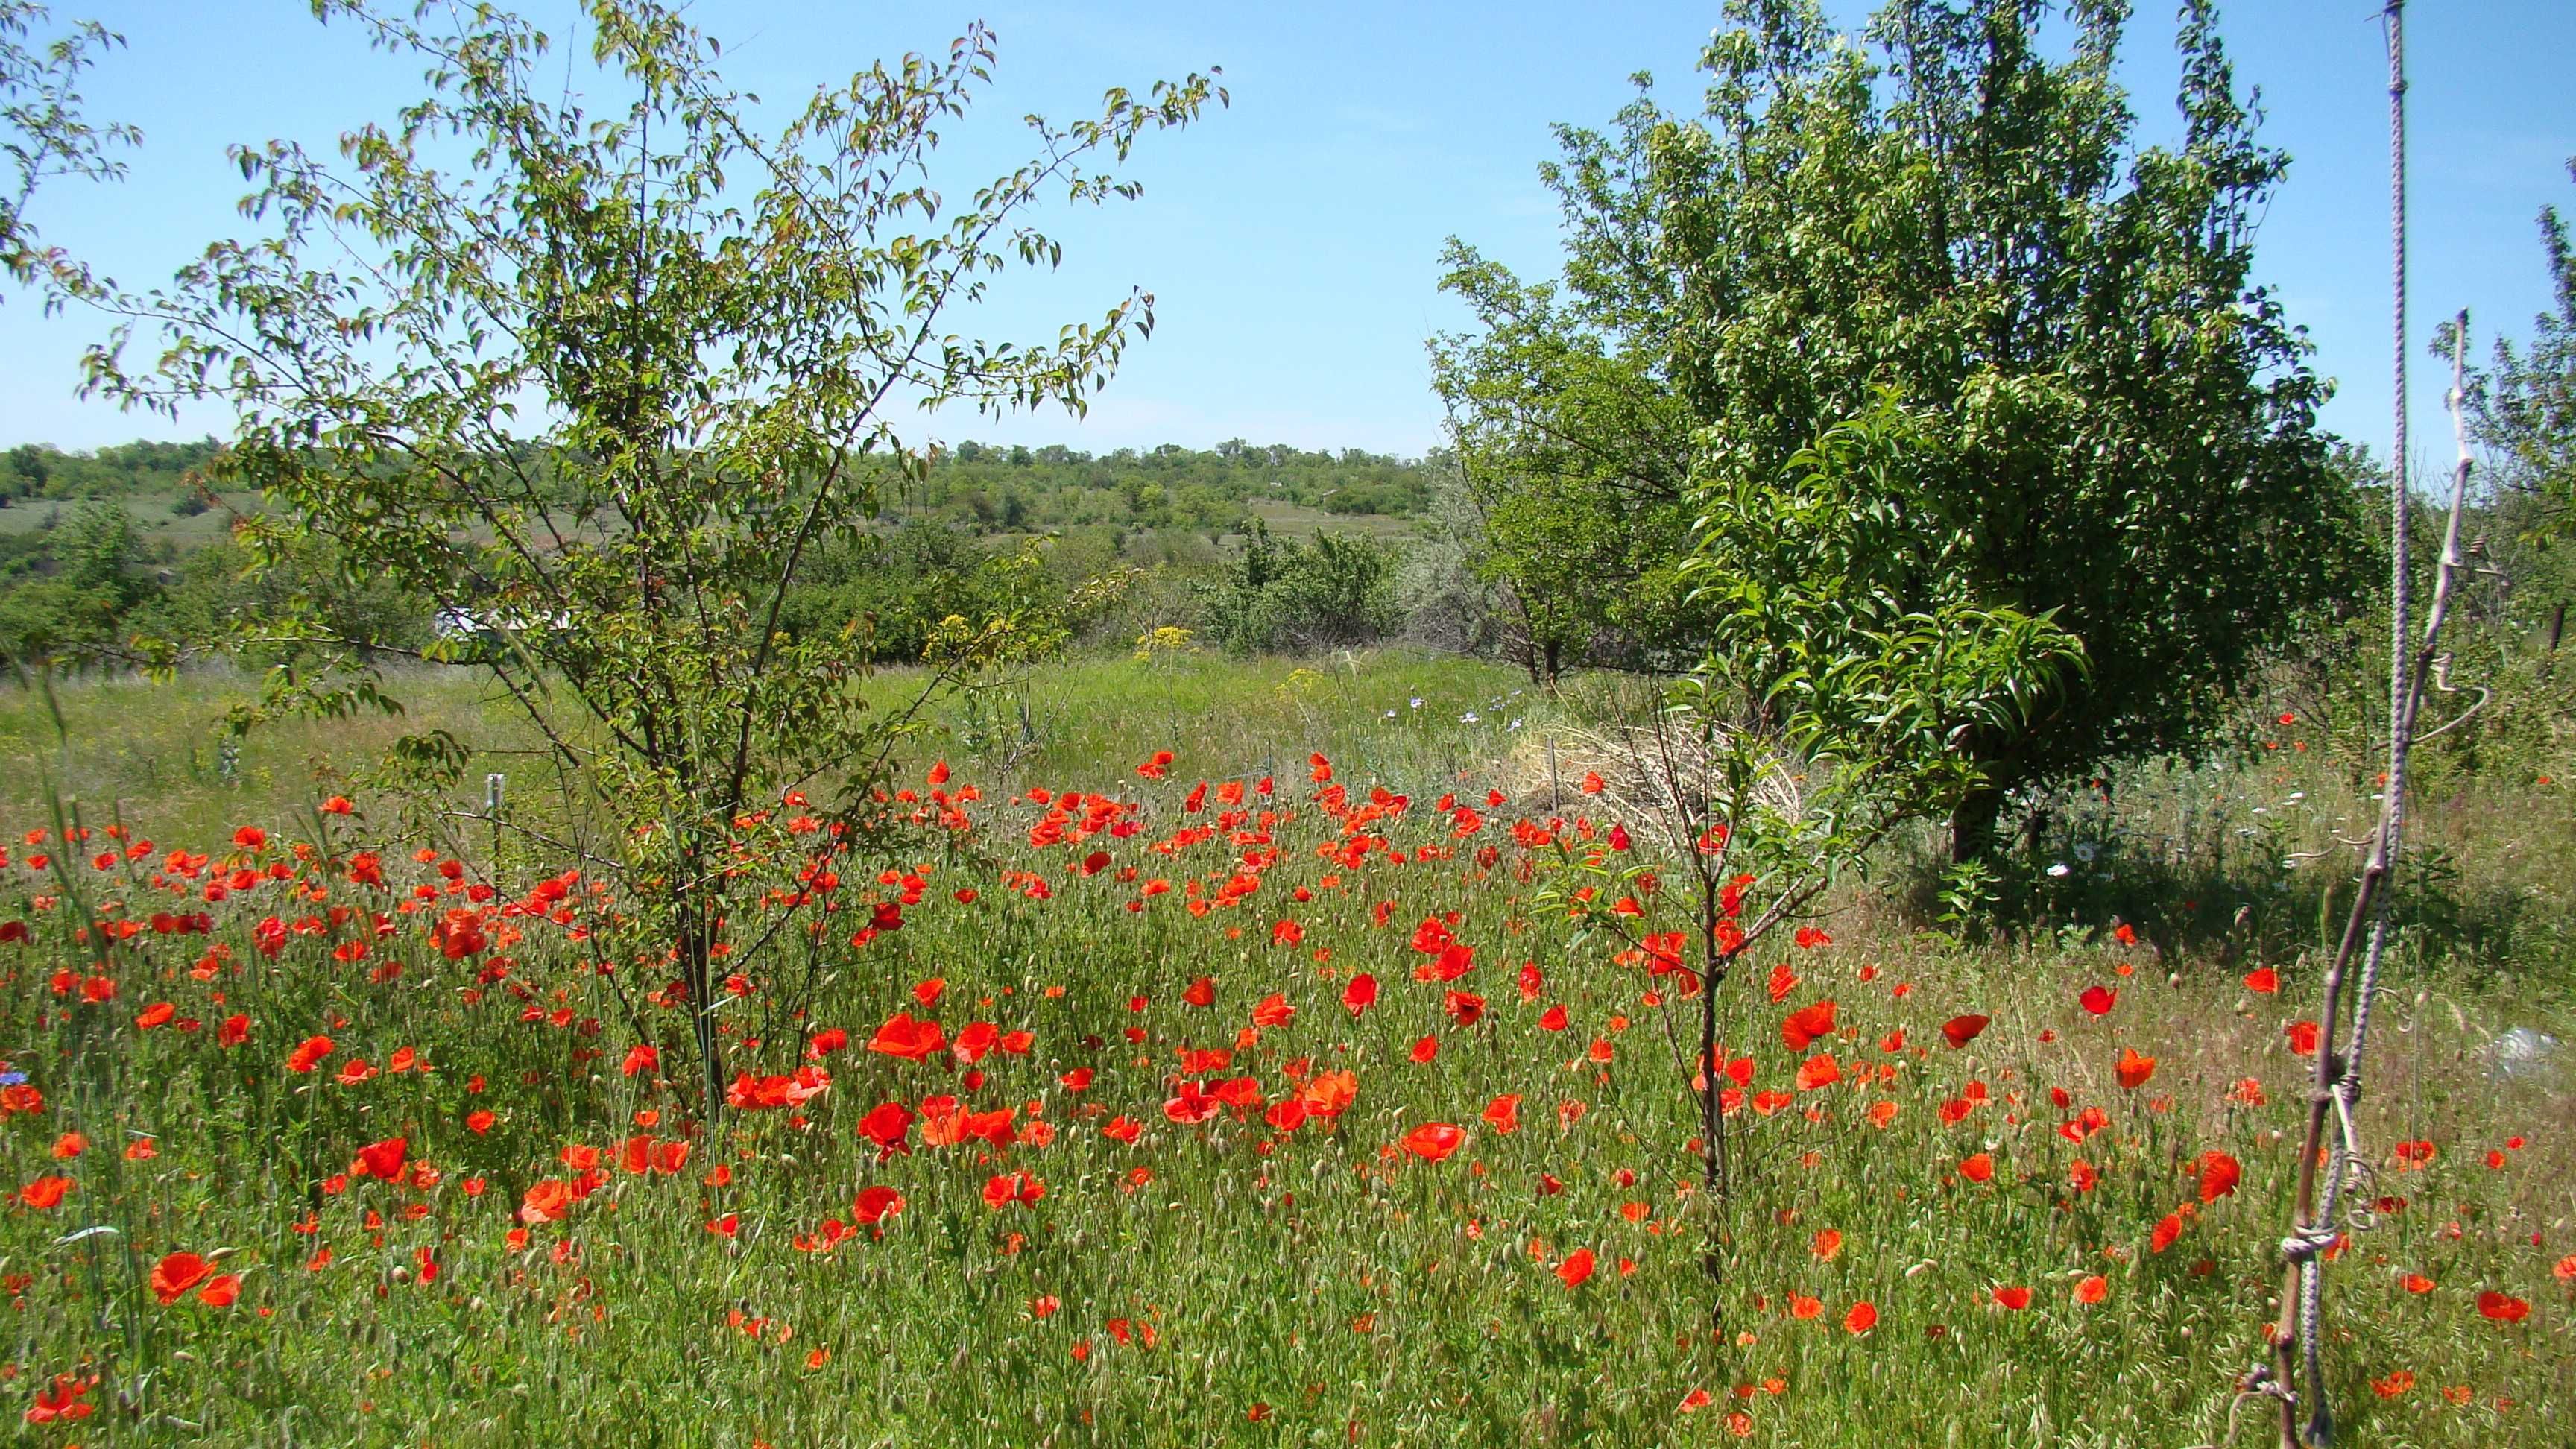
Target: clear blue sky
[1292, 240]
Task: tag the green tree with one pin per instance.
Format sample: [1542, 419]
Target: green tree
[1571, 447]
[2525, 404]
[1283, 595]
[1828, 710]
[2124, 422]
[614, 381]
[45, 134]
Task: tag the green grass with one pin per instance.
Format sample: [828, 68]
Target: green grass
[1314, 1286]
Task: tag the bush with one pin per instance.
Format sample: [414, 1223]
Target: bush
[1278, 596]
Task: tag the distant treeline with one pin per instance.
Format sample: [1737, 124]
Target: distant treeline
[994, 487]
[127, 470]
[101, 549]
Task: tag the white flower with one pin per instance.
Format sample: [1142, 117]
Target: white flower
[1468, 718]
[1417, 701]
[2085, 850]
[2061, 868]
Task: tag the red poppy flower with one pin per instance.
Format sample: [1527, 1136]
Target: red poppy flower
[876, 1204]
[1503, 1113]
[2263, 980]
[1862, 1318]
[1434, 1141]
[2015, 1299]
[1961, 1030]
[382, 1159]
[45, 1192]
[913, 1041]
[1817, 1071]
[2502, 1307]
[2093, 1289]
[885, 1125]
[1576, 1268]
[2099, 1000]
[2303, 1038]
[1806, 1024]
[308, 1054]
[63, 1401]
[2219, 1174]
[1329, 1094]
[2133, 1069]
[176, 1273]
[2168, 1228]
[1360, 994]
[1274, 1010]
[1980, 1168]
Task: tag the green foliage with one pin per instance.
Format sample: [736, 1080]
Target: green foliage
[44, 134]
[1843, 630]
[612, 383]
[1572, 449]
[2121, 422]
[1208, 491]
[1279, 596]
[131, 471]
[2525, 406]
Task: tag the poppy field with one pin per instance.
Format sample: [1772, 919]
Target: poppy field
[1202, 1095]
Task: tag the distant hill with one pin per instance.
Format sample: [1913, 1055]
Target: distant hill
[985, 488]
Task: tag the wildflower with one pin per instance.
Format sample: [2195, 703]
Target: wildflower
[176, 1273]
[1434, 1141]
[2502, 1307]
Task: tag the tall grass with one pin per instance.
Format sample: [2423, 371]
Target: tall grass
[1232, 1279]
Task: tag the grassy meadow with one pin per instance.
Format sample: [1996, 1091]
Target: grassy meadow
[1108, 1108]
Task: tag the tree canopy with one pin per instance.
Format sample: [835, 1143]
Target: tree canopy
[2119, 420]
[609, 381]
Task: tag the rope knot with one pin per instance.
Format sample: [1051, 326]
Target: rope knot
[2304, 1244]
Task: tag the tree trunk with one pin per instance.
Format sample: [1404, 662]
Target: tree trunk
[1972, 824]
[695, 943]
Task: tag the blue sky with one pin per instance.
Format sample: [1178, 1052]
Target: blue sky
[1292, 241]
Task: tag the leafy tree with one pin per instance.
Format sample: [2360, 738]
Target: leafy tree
[614, 380]
[45, 134]
[1828, 710]
[2525, 405]
[1572, 447]
[1285, 595]
[2125, 423]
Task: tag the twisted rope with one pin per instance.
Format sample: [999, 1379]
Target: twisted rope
[2309, 1240]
